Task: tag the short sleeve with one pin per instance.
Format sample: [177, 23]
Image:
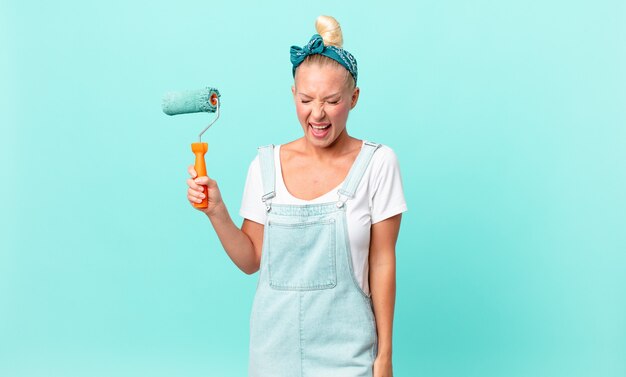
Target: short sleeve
[252, 207]
[387, 195]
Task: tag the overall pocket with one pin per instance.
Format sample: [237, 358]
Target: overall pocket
[302, 255]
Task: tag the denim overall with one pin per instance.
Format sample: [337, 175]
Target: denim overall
[310, 317]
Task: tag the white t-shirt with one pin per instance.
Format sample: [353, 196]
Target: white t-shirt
[379, 196]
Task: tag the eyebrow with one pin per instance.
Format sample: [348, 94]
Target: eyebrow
[332, 95]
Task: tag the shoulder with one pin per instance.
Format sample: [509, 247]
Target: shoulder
[385, 151]
[262, 148]
[385, 185]
[384, 168]
[254, 168]
[254, 164]
[384, 157]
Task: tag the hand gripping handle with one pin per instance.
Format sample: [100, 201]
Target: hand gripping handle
[199, 149]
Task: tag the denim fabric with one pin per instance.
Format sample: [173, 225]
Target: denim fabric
[310, 317]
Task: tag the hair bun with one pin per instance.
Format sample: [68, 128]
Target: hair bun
[330, 31]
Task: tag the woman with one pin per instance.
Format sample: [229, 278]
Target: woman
[321, 220]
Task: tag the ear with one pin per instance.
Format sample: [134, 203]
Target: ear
[355, 97]
[293, 90]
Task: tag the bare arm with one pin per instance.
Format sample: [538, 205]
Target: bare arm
[382, 274]
[243, 246]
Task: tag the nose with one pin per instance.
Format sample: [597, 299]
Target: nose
[317, 112]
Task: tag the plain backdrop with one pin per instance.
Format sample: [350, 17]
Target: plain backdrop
[508, 119]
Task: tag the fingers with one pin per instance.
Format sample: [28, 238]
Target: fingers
[195, 193]
[197, 183]
[194, 196]
[192, 171]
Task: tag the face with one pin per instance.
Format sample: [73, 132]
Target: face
[323, 101]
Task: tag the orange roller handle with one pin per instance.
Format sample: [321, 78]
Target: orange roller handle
[199, 149]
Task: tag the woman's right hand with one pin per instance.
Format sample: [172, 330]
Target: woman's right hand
[195, 193]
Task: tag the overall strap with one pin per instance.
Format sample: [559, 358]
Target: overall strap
[348, 190]
[266, 159]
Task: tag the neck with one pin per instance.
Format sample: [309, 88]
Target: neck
[342, 145]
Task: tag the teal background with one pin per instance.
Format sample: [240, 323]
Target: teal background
[508, 119]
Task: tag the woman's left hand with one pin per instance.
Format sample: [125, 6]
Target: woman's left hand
[382, 367]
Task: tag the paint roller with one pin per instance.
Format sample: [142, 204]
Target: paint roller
[195, 101]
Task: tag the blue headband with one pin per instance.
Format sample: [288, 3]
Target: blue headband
[316, 46]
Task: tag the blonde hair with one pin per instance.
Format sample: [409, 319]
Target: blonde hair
[330, 31]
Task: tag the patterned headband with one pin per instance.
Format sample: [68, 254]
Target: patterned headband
[316, 46]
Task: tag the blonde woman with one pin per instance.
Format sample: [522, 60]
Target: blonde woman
[321, 219]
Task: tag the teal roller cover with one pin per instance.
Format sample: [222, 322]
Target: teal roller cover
[191, 101]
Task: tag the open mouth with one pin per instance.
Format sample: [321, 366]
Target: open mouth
[320, 130]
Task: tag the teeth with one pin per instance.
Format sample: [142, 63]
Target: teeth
[320, 127]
